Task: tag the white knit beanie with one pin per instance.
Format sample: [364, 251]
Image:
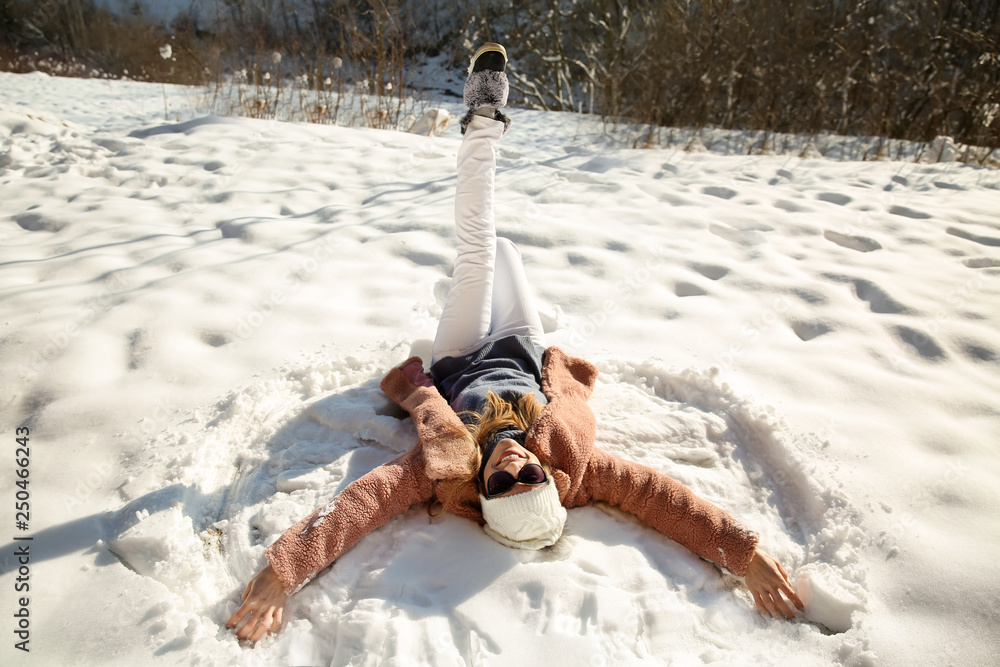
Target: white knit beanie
[530, 520]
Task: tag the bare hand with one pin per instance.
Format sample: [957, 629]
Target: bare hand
[414, 372]
[263, 602]
[767, 580]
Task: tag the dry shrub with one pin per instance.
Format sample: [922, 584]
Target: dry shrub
[259, 62]
[902, 69]
[76, 38]
[899, 69]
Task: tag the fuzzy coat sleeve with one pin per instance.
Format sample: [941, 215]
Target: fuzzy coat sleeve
[671, 508]
[370, 501]
[367, 503]
[449, 459]
[441, 433]
[564, 435]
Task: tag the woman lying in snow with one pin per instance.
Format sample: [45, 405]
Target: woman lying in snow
[505, 436]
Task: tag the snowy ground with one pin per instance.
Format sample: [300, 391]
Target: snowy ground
[194, 318]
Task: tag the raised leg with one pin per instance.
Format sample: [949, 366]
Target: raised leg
[465, 321]
[514, 312]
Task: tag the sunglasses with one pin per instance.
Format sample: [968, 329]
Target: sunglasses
[501, 481]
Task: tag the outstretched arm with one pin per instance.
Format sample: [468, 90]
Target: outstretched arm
[695, 523]
[673, 509]
[316, 541]
[319, 539]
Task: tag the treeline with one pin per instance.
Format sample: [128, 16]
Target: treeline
[76, 38]
[903, 69]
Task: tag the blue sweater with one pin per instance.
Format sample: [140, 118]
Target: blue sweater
[509, 367]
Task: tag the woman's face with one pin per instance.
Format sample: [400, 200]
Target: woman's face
[510, 457]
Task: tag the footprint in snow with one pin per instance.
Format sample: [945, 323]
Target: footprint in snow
[976, 238]
[811, 297]
[719, 191]
[907, 212]
[671, 168]
[600, 165]
[858, 243]
[594, 183]
[807, 331]
[739, 237]
[981, 262]
[834, 198]
[977, 351]
[426, 257]
[38, 222]
[683, 289]
[711, 271]
[215, 338]
[878, 300]
[665, 195]
[920, 342]
[792, 206]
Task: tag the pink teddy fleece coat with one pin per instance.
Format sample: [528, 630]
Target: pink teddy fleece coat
[562, 437]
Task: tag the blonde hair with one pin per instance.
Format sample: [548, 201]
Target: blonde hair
[498, 415]
[501, 415]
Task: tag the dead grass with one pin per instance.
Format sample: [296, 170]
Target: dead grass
[900, 69]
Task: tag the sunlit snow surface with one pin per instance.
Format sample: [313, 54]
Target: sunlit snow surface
[196, 314]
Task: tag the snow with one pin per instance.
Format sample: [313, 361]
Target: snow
[196, 314]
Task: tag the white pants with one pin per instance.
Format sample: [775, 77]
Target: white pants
[489, 297]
